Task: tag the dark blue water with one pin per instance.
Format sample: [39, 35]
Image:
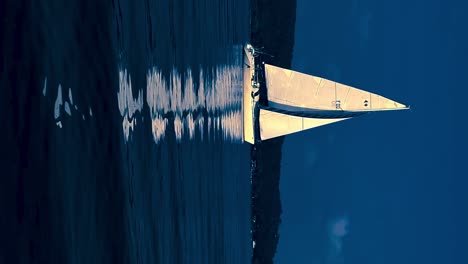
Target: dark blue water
[123, 134]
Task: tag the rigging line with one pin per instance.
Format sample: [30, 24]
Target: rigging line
[283, 99]
[347, 93]
[316, 93]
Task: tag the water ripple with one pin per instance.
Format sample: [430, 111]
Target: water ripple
[189, 107]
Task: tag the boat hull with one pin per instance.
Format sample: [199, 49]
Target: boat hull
[249, 102]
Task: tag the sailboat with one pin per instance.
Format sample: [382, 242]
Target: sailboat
[298, 101]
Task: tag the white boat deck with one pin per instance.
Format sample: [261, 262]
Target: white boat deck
[248, 104]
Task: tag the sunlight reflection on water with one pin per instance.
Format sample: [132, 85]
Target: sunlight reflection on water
[212, 102]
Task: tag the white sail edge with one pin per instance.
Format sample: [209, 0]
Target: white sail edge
[297, 89]
[274, 124]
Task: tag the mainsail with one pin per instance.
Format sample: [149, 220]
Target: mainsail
[298, 90]
[297, 101]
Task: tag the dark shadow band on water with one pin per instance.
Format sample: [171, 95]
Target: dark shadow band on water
[62, 190]
[272, 27]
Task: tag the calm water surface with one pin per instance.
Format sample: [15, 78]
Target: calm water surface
[126, 132]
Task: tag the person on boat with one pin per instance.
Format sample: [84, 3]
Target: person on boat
[254, 94]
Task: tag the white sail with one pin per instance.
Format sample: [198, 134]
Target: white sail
[274, 124]
[293, 89]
